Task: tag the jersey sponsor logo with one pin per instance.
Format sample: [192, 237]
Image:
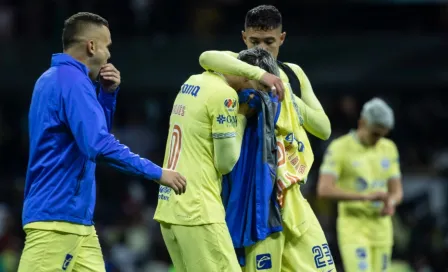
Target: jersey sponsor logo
[230, 104]
[229, 120]
[290, 138]
[178, 110]
[67, 260]
[164, 192]
[263, 261]
[361, 184]
[385, 163]
[361, 253]
[385, 262]
[190, 89]
[378, 184]
[362, 265]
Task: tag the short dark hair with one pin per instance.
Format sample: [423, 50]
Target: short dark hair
[257, 56]
[264, 17]
[77, 23]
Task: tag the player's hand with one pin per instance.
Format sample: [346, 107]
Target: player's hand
[275, 84]
[245, 110]
[376, 196]
[174, 180]
[110, 77]
[389, 207]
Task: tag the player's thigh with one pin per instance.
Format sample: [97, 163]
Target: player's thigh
[90, 257]
[206, 248]
[381, 258]
[356, 257]
[308, 251]
[173, 247]
[265, 255]
[49, 251]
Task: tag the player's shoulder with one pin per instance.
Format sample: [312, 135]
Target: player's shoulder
[296, 68]
[341, 142]
[215, 87]
[387, 145]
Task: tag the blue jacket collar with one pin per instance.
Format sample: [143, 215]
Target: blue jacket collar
[65, 59]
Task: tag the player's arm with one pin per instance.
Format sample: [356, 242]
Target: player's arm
[227, 63]
[227, 136]
[315, 120]
[394, 185]
[108, 101]
[330, 172]
[86, 120]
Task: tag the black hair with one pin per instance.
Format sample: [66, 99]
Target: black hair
[77, 23]
[257, 56]
[263, 17]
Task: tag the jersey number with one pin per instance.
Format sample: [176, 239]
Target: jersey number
[175, 147]
[322, 256]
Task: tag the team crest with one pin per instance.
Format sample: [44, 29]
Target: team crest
[385, 163]
[230, 104]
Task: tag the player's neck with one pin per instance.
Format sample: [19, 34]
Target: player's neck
[360, 136]
[76, 55]
[231, 83]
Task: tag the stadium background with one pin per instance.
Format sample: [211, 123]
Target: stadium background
[351, 51]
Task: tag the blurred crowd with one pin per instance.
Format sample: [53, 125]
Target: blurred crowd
[130, 239]
[208, 18]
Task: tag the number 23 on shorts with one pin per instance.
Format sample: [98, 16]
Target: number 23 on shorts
[322, 255]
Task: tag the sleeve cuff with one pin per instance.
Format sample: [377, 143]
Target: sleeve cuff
[108, 95]
[157, 173]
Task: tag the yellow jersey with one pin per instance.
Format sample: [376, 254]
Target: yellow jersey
[362, 169]
[205, 108]
[295, 155]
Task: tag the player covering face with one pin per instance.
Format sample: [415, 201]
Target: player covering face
[302, 245]
[204, 142]
[361, 170]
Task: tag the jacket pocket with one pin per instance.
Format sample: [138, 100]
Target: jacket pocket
[80, 177]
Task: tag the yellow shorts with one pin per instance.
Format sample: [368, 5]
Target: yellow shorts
[358, 257]
[202, 248]
[365, 243]
[301, 247]
[47, 250]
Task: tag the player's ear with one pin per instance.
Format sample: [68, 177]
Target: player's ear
[243, 35]
[91, 47]
[282, 37]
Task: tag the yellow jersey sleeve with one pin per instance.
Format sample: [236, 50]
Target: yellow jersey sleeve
[227, 151]
[227, 63]
[394, 157]
[222, 108]
[315, 120]
[333, 160]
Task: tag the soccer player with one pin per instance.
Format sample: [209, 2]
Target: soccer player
[69, 130]
[302, 245]
[204, 142]
[361, 170]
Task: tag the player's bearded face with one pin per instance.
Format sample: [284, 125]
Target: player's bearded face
[270, 40]
[99, 50]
